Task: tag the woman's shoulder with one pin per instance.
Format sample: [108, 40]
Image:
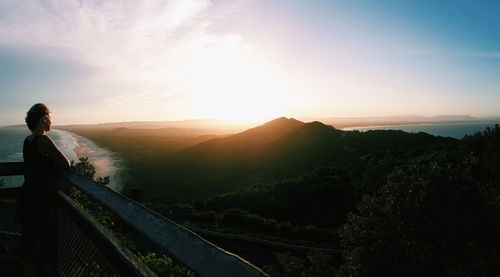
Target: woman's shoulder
[45, 144]
[29, 138]
[38, 137]
[43, 141]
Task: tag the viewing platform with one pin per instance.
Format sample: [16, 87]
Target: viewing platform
[101, 232]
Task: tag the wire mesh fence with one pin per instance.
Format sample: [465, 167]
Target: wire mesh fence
[102, 233]
[10, 231]
[78, 252]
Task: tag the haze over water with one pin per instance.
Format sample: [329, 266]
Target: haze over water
[454, 130]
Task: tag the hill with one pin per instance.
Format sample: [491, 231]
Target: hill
[245, 143]
[381, 196]
[281, 149]
[215, 125]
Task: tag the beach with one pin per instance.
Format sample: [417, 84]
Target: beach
[106, 162]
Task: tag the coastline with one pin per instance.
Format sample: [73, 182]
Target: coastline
[105, 162]
[81, 150]
[455, 130]
[389, 125]
[378, 124]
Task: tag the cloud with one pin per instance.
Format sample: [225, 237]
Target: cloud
[18, 64]
[140, 51]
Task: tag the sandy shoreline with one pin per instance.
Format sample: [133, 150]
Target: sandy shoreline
[81, 149]
[102, 160]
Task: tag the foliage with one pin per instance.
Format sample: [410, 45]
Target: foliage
[127, 236]
[435, 215]
[403, 203]
[327, 190]
[102, 180]
[85, 168]
[103, 215]
[244, 223]
[164, 266]
[314, 264]
[176, 168]
[135, 194]
[161, 265]
[250, 223]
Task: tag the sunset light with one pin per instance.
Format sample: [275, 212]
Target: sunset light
[242, 60]
[237, 89]
[263, 138]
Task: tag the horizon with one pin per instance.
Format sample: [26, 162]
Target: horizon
[247, 61]
[393, 119]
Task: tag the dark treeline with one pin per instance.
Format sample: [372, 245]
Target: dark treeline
[435, 215]
[398, 203]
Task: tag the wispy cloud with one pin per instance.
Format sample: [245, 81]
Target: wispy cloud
[146, 50]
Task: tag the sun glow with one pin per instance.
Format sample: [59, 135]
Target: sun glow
[238, 89]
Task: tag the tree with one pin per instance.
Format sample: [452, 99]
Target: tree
[435, 216]
[102, 180]
[85, 168]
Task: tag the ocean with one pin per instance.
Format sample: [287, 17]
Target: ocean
[454, 130]
[105, 161]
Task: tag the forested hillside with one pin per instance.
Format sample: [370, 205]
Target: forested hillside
[282, 149]
[398, 203]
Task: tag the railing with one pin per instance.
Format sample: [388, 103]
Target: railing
[86, 248]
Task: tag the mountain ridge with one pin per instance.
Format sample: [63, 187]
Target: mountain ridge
[281, 149]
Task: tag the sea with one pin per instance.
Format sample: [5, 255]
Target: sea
[106, 162]
[454, 130]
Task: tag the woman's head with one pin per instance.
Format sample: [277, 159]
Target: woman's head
[38, 114]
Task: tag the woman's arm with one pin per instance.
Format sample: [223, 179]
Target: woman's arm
[48, 148]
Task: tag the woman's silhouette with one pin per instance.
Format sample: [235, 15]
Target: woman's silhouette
[42, 163]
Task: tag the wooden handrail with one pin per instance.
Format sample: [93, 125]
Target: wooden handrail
[124, 261]
[201, 256]
[11, 169]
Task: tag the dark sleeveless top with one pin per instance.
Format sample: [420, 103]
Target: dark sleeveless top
[37, 208]
[40, 174]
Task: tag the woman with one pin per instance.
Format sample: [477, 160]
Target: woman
[42, 163]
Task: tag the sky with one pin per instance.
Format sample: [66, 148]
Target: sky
[127, 60]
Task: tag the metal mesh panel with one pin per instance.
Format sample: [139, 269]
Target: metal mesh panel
[10, 232]
[8, 221]
[101, 233]
[77, 254]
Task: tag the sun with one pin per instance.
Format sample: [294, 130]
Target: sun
[238, 90]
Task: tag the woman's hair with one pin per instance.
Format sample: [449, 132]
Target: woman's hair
[34, 115]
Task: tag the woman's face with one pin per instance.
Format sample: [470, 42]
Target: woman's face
[46, 122]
